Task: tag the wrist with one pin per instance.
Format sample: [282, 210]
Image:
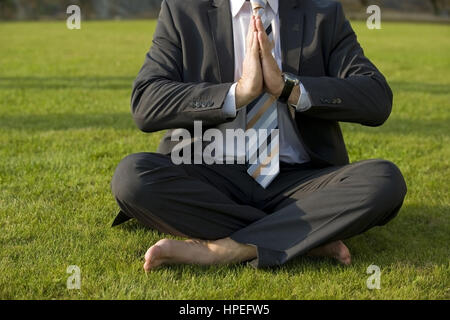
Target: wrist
[280, 88]
[241, 97]
[295, 95]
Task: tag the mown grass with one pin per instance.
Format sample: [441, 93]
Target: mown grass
[65, 124]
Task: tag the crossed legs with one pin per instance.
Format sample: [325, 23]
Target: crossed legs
[228, 218]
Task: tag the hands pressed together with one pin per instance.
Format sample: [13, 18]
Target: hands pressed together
[260, 72]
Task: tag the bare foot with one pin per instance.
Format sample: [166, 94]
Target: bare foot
[223, 251]
[337, 250]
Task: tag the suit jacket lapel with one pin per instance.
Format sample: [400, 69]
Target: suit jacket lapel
[291, 31]
[222, 31]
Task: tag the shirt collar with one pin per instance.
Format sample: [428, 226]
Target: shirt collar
[236, 6]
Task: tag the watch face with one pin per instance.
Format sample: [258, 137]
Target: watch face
[291, 78]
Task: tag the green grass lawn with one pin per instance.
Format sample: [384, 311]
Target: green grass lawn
[65, 124]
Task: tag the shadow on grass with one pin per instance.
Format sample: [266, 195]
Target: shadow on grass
[420, 87]
[418, 236]
[66, 121]
[125, 82]
[67, 82]
[417, 127]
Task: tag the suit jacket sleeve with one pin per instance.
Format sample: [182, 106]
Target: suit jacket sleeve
[353, 90]
[160, 99]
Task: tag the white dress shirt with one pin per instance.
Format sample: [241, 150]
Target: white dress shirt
[291, 148]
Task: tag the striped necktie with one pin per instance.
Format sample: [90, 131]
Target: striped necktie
[263, 147]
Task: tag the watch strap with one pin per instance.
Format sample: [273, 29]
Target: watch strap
[289, 85]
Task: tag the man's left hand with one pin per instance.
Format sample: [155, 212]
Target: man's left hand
[273, 81]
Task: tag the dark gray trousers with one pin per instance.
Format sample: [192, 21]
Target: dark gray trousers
[303, 208]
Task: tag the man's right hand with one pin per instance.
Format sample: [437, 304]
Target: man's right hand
[250, 85]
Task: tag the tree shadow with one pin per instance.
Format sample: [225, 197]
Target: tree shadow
[67, 82]
[422, 87]
[402, 126]
[67, 121]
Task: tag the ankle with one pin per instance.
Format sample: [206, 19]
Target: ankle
[231, 250]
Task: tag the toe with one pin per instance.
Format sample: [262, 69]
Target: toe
[344, 254]
[148, 254]
[150, 258]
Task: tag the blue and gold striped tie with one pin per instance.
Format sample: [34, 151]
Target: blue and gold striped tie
[263, 160]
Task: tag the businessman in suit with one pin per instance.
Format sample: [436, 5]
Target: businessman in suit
[293, 67]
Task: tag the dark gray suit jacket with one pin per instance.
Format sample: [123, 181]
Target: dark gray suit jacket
[190, 68]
